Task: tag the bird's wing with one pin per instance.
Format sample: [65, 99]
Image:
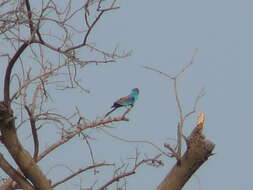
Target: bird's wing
[122, 100]
[126, 100]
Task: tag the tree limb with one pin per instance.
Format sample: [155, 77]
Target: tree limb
[34, 133]
[29, 14]
[153, 161]
[198, 151]
[78, 130]
[9, 70]
[14, 174]
[79, 172]
[23, 159]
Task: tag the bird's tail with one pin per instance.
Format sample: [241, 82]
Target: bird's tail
[110, 112]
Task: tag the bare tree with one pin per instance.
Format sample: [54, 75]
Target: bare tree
[41, 53]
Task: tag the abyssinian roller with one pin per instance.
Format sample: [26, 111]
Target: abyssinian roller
[125, 101]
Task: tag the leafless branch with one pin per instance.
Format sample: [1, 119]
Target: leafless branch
[153, 161]
[14, 174]
[182, 116]
[117, 178]
[78, 130]
[188, 65]
[29, 13]
[22, 26]
[136, 141]
[85, 137]
[34, 133]
[174, 153]
[159, 72]
[91, 27]
[9, 71]
[79, 172]
[198, 98]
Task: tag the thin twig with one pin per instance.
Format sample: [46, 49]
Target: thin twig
[125, 173]
[174, 153]
[136, 141]
[116, 179]
[159, 72]
[78, 129]
[182, 117]
[90, 150]
[79, 172]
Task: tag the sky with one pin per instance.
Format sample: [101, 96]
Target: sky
[164, 35]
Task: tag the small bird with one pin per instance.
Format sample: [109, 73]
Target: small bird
[125, 101]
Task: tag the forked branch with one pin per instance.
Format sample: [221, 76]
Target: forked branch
[117, 177]
[182, 116]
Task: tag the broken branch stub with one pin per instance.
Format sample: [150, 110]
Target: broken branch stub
[198, 151]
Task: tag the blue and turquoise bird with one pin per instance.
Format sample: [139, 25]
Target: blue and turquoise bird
[125, 101]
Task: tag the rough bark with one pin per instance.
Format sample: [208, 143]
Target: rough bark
[23, 159]
[14, 174]
[198, 151]
[7, 185]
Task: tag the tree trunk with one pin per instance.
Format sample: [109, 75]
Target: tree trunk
[198, 151]
[23, 159]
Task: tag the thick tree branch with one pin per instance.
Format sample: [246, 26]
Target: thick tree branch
[198, 151]
[9, 70]
[23, 159]
[14, 174]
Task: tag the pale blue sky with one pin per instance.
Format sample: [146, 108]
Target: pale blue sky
[164, 35]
